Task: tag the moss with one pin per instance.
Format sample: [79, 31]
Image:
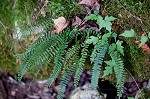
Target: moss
[65, 8]
[136, 61]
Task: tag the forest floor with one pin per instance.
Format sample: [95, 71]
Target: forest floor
[130, 14]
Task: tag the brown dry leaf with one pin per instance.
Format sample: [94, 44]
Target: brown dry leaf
[77, 21]
[91, 3]
[60, 24]
[144, 47]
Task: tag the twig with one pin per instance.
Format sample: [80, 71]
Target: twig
[3, 25]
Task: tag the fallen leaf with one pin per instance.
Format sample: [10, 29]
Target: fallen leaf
[138, 18]
[53, 32]
[144, 47]
[60, 24]
[90, 3]
[77, 21]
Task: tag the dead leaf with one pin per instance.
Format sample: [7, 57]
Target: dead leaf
[53, 32]
[60, 24]
[90, 3]
[138, 18]
[144, 47]
[77, 21]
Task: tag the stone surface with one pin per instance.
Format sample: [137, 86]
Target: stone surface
[86, 92]
[30, 89]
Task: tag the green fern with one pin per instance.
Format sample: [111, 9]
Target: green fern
[119, 72]
[41, 26]
[80, 64]
[70, 57]
[98, 60]
[40, 54]
[64, 80]
[118, 66]
[47, 48]
[58, 61]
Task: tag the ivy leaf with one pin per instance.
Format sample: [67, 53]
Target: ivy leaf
[143, 40]
[91, 17]
[108, 69]
[114, 35]
[105, 24]
[99, 19]
[149, 35]
[111, 18]
[119, 47]
[128, 33]
[92, 39]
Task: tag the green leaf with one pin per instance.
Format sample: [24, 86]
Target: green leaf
[114, 35]
[143, 40]
[99, 19]
[106, 36]
[92, 39]
[119, 47]
[91, 17]
[130, 98]
[149, 35]
[105, 24]
[111, 18]
[128, 33]
[108, 69]
[112, 47]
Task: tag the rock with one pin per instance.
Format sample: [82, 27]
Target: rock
[86, 92]
[2, 91]
[33, 97]
[148, 85]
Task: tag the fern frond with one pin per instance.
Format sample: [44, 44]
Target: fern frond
[44, 38]
[39, 53]
[80, 64]
[98, 60]
[69, 57]
[64, 80]
[76, 33]
[58, 61]
[119, 71]
[41, 26]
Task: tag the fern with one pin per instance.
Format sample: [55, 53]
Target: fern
[40, 54]
[70, 57]
[58, 61]
[98, 60]
[119, 70]
[40, 26]
[80, 64]
[47, 48]
[65, 79]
